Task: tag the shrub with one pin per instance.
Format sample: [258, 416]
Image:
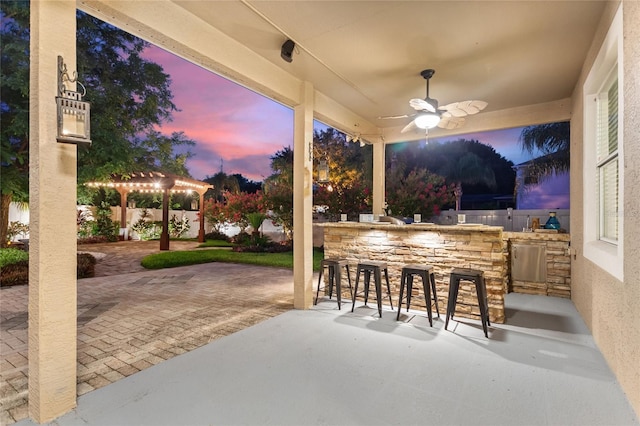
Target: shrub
[178, 227]
[15, 229]
[10, 256]
[17, 273]
[216, 235]
[103, 225]
[86, 265]
[145, 227]
[93, 240]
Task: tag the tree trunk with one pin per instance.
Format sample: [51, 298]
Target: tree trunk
[4, 218]
[458, 193]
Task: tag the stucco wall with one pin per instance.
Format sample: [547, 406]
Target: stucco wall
[611, 308]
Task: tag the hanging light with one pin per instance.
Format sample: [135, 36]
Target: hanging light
[323, 171]
[73, 113]
[427, 120]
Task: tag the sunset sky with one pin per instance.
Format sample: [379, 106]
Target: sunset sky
[243, 129]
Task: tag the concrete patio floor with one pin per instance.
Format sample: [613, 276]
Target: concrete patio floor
[330, 367]
[151, 352]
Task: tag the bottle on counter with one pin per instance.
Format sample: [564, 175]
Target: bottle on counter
[552, 222]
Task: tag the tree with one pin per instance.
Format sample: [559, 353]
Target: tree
[278, 189]
[553, 140]
[222, 183]
[247, 185]
[156, 151]
[473, 167]
[129, 96]
[14, 108]
[350, 174]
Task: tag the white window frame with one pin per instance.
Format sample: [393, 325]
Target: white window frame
[606, 253]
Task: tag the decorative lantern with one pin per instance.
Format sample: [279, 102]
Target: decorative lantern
[73, 113]
[323, 171]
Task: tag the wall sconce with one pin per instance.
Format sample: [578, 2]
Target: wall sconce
[323, 171]
[73, 113]
[194, 204]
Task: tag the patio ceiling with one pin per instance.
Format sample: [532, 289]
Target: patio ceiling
[367, 55]
[364, 58]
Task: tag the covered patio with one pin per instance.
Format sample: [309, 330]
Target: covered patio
[533, 62]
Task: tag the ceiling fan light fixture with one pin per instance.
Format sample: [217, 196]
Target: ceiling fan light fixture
[427, 120]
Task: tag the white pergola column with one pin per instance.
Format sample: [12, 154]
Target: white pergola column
[303, 200]
[52, 228]
[378, 178]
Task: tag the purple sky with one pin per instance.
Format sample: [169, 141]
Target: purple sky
[243, 129]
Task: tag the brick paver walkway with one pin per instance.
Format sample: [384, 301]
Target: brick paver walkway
[131, 321]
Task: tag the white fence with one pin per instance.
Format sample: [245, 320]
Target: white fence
[510, 220]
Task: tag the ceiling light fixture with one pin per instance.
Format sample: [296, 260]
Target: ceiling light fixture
[427, 120]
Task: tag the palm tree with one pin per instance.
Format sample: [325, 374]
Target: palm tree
[553, 141]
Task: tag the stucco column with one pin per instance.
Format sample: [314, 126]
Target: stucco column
[303, 200]
[378, 178]
[52, 228]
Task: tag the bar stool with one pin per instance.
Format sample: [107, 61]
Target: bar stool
[372, 267]
[335, 266]
[406, 280]
[477, 277]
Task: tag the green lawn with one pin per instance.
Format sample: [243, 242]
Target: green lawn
[172, 259]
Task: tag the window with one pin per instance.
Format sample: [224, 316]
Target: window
[607, 159]
[603, 181]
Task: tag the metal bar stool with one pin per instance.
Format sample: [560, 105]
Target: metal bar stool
[477, 277]
[335, 266]
[375, 268]
[406, 280]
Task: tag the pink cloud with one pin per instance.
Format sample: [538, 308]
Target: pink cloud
[228, 122]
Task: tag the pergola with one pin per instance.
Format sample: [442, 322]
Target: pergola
[154, 182]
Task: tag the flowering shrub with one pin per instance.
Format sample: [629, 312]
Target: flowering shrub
[235, 209]
[418, 192]
[215, 214]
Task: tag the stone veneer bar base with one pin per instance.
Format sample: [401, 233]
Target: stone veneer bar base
[443, 247]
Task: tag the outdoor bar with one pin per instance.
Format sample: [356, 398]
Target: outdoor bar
[476, 246]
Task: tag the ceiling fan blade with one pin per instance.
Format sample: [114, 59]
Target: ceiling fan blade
[421, 105]
[450, 123]
[409, 127]
[393, 117]
[461, 109]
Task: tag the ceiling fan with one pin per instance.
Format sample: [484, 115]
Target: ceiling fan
[430, 115]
